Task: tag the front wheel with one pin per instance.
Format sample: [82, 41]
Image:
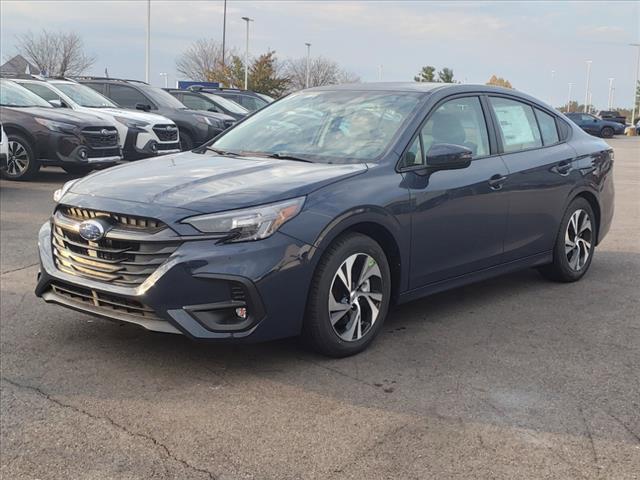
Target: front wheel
[349, 297]
[575, 245]
[21, 162]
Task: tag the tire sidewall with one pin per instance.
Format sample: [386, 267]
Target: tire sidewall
[607, 132]
[560, 257]
[318, 309]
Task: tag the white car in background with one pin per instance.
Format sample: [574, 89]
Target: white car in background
[4, 149]
[142, 134]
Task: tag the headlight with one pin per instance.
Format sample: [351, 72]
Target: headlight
[58, 194]
[210, 121]
[56, 126]
[130, 123]
[255, 223]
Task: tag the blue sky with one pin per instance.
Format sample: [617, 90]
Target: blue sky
[522, 41]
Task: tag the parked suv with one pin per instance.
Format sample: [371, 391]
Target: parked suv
[141, 134]
[203, 100]
[252, 101]
[612, 116]
[596, 126]
[39, 134]
[196, 127]
[365, 196]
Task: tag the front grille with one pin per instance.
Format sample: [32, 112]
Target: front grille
[237, 292]
[166, 133]
[109, 303]
[119, 221]
[124, 256]
[101, 137]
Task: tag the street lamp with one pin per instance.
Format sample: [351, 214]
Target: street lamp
[569, 98]
[586, 93]
[635, 84]
[166, 79]
[610, 97]
[306, 82]
[246, 56]
[147, 57]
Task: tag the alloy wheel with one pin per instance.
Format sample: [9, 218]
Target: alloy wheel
[355, 297]
[18, 160]
[578, 240]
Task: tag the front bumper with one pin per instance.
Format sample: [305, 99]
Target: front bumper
[66, 149]
[141, 144]
[197, 290]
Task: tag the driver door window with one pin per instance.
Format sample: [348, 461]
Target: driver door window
[459, 122]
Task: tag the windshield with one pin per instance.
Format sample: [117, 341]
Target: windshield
[12, 95]
[163, 98]
[84, 96]
[265, 97]
[227, 104]
[330, 126]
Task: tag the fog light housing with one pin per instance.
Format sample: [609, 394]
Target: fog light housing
[83, 153]
[154, 147]
[241, 312]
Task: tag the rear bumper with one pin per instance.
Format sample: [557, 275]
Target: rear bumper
[198, 290]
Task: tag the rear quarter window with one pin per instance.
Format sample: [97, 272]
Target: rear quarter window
[548, 128]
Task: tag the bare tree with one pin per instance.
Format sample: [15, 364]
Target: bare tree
[55, 53]
[202, 60]
[322, 71]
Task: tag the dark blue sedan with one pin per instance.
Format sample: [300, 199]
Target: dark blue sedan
[321, 211]
[597, 126]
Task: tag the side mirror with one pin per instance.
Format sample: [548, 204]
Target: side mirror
[448, 156]
[143, 106]
[212, 109]
[57, 103]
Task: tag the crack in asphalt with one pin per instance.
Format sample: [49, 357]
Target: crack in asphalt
[625, 426]
[18, 269]
[113, 423]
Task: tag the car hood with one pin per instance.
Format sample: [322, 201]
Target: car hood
[66, 116]
[209, 183]
[151, 118]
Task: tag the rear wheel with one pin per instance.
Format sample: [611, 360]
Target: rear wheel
[349, 297]
[607, 132]
[575, 245]
[21, 162]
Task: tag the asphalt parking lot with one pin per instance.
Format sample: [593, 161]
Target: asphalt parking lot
[510, 378]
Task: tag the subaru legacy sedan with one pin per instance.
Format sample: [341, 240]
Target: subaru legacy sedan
[318, 213]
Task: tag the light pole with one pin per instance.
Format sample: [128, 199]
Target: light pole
[224, 30]
[586, 93]
[306, 81]
[569, 98]
[147, 59]
[553, 76]
[610, 97]
[246, 55]
[166, 79]
[635, 84]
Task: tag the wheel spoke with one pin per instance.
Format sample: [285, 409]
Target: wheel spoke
[351, 327]
[374, 308]
[369, 269]
[337, 310]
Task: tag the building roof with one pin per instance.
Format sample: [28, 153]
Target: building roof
[18, 65]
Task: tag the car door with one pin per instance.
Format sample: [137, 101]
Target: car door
[541, 172]
[459, 216]
[128, 97]
[590, 124]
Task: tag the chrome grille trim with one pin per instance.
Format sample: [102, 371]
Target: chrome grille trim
[122, 221]
[125, 258]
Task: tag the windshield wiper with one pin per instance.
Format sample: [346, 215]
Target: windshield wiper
[222, 152]
[280, 156]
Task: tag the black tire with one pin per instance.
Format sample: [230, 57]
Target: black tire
[18, 145]
[186, 142]
[561, 269]
[318, 330]
[606, 132]
[77, 169]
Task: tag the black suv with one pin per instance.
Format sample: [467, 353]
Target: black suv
[252, 101]
[210, 102]
[38, 134]
[196, 127]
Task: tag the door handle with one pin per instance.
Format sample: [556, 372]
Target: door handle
[496, 182]
[563, 168]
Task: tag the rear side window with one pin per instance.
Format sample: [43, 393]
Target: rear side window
[196, 102]
[98, 87]
[548, 127]
[517, 125]
[127, 96]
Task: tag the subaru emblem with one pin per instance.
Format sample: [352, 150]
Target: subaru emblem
[91, 230]
[104, 131]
